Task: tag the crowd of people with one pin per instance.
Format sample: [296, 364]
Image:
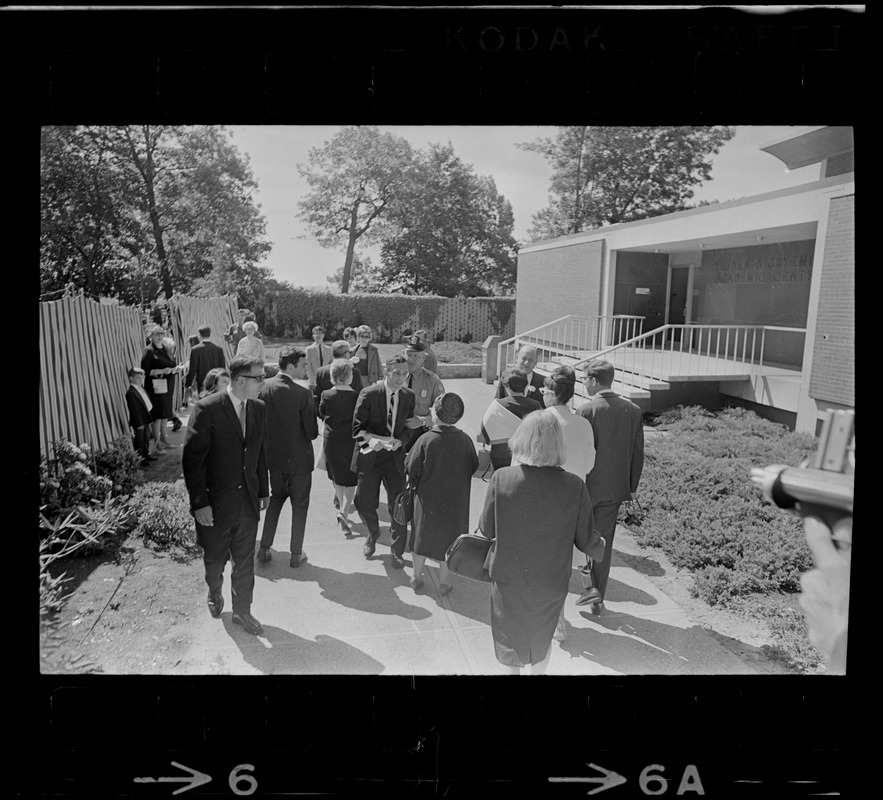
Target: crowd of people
[249, 449]
[559, 475]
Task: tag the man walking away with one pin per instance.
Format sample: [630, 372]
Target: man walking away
[204, 356]
[291, 428]
[618, 427]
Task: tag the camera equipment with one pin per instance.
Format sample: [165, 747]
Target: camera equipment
[823, 486]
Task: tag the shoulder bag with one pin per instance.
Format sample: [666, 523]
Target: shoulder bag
[466, 556]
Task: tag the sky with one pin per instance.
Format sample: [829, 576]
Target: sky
[739, 169]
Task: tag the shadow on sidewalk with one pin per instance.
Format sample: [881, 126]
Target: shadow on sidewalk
[279, 652]
[635, 645]
[373, 594]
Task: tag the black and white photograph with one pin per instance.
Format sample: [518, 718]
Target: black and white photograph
[559, 399]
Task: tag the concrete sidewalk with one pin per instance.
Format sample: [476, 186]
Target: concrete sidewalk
[340, 613]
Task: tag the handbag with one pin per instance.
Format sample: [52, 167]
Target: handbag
[484, 465]
[466, 556]
[160, 385]
[403, 507]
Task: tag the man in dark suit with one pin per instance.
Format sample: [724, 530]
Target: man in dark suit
[291, 428]
[340, 349]
[526, 359]
[140, 420]
[225, 470]
[379, 421]
[618, 427]
[204, 356]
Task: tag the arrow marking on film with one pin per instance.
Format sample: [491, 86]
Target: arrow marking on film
[195, 779]
[607, 781]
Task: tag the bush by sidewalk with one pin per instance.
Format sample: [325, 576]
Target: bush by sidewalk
[702, 510]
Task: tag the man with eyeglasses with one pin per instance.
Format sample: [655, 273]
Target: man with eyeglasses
[379, 423]
[225, 470]
[291, 422]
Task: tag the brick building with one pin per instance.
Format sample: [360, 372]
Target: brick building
[781, 264]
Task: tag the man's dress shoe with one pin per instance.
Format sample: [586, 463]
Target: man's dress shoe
[248, 622]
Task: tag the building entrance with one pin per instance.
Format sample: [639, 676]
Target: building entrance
[677, 299]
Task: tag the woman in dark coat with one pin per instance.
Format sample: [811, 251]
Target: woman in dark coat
[336, 407]
[159, 365]
[441, 465]
[536, 512]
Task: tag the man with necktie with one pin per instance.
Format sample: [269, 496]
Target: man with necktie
[318, 355]
[225, 471]
[379, 423]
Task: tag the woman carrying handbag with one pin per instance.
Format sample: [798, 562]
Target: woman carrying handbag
[440, 466]
[536, 512]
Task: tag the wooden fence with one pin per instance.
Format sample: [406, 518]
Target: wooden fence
[86, 349]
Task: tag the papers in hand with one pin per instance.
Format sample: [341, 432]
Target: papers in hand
[376, 443]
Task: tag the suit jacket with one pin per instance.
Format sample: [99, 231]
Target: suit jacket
[370, 416]
[138, 413]
[537, 515]
[204, 356]
[313, 360]
[291, 425]
[536, 380]
[619, 447]
[372, 354]
[323, 382]
[218, 462]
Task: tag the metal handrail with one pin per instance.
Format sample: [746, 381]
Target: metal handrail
[567, 334]
[696, 337]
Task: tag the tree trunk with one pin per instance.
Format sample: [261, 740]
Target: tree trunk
[88, 268]
[147, 175]
[350, 250]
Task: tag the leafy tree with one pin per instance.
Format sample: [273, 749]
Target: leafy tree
[132, 209]
[453, 236]
[89, 229]
[355, 179]
[196, 190]
[606, 175]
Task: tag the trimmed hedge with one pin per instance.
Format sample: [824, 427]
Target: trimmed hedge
[392, 316]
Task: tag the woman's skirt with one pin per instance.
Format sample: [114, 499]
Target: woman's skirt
[338, 458]
[162, 403]
[523, 620]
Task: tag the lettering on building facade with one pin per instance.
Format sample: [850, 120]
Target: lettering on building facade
[727, 267]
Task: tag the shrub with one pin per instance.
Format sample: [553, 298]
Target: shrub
[120, 463]
[67, 481]
[163, 513]
[701, 508]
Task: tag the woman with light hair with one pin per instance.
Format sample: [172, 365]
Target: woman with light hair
[579, 439]
[336, 408]
[535, 512]
[250, 344]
